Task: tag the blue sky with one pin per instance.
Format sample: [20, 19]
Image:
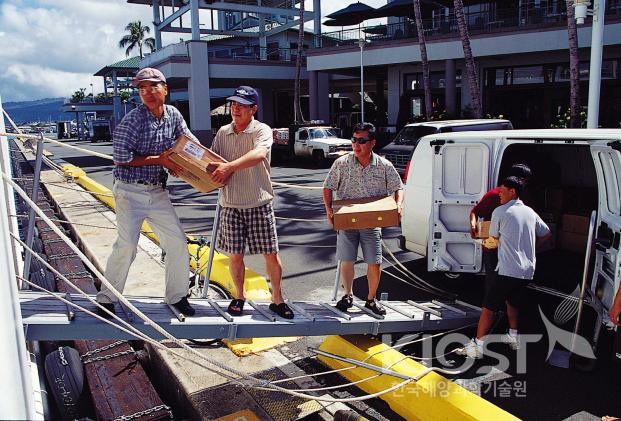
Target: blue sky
[51, 48]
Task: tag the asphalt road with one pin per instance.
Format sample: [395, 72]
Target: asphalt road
[542, 392]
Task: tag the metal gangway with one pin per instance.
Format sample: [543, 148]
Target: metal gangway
[46, 317]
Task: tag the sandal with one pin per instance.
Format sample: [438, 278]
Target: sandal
[375, 307]
[236, 307]
[345, 303]
[282, 310]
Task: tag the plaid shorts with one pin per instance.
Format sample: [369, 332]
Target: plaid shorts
[254, 227]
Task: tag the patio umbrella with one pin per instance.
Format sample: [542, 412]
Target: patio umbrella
[403, 8]
[346, 21]
[355, 12]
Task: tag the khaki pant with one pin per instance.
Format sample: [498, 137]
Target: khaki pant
[134, 204]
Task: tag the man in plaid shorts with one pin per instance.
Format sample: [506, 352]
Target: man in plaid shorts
[247, 213]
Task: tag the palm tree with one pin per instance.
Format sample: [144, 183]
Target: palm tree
[574, 71]
[471, 70]
[423, 58]
[136, 38]
[297, 107]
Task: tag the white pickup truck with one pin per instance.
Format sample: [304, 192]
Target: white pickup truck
[318, 142]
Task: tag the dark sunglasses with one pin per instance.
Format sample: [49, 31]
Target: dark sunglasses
[361, 140]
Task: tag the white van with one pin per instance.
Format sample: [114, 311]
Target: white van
[399, 151]
[575, 171]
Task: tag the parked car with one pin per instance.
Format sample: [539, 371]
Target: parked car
[400, 150]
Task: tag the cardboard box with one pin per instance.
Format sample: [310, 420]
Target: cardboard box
[194, 158]
[483, 229]
[571, 241]
[575, 223]
[370, 212]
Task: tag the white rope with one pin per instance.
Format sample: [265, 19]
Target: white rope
[415, 277]
[56, 142]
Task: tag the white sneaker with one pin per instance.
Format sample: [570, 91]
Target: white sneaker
[471, 350]
[512, 341]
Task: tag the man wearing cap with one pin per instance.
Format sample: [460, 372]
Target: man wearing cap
[246, 200]
[140, 150]
[357, 175]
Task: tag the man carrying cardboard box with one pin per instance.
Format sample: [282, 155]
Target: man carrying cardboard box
[361, 174]
[483, 212]
[519, 230]
[247, 213]
[141, 145]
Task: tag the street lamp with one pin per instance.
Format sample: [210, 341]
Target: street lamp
[92, 93]
[597, 46]
[124, 106]
[361, 42]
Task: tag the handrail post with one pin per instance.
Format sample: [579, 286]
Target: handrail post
[31, 212]
[212, 245]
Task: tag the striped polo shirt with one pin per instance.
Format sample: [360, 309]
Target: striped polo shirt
[250, 187]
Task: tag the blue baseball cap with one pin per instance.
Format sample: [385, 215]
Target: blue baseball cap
[246, 95]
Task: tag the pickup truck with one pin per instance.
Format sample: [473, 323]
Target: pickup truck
[319, 142]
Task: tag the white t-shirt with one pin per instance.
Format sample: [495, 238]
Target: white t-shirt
[518, 227]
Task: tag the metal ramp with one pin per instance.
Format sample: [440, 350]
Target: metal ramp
[47, 318]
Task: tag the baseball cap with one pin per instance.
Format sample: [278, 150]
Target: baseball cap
[148, 74]
[245, 95]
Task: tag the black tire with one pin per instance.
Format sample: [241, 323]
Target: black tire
[44, 278]
[65, 378]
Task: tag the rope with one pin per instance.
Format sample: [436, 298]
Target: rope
[56, 142]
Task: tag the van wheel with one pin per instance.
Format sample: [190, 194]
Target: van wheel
[319, 158]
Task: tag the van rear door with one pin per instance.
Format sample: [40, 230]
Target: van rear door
[607, 273]
[460, 178]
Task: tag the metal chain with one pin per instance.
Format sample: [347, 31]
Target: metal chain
[109, 356]
[102, 349]
[61, 356]
[146, 412]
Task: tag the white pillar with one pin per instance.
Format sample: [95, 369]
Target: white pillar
[394, 93]
[262, 37]
[323, 97]
[312, 95]
[317, 22]
[196, 28]
[156, 21]
[198, 92]
[595, 71]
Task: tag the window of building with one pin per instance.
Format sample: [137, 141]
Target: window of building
[527, 75]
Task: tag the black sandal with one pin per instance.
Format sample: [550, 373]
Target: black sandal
[375, 307]
[236, 304]
[282, 310]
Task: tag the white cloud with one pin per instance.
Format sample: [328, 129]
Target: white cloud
[53, 47]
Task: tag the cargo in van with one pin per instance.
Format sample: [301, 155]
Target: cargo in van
[576, 171]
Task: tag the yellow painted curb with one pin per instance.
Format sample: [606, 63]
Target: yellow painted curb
[256, 285]
[245, 347]
[245, 415]
[433, 397]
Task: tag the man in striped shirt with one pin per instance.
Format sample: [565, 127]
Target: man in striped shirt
[247, 213]
[141, 146]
